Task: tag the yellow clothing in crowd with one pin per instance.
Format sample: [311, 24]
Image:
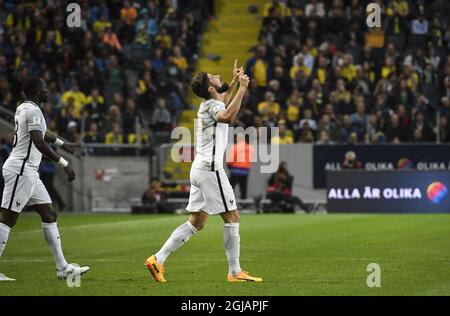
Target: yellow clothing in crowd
[386, 71]
[349, 72]
[112, 138]
[181, 62]
[295, 69]
[401, 6]
[265, 108]
[260, 73]
[322, 75]
[139, 138]
[79, 98]
[292, 113]
[281, 8]
[100, 26]
[166, 39]
[21, 25]
[287, 139]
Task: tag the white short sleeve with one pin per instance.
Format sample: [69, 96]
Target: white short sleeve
[34, 120]
[215, 107]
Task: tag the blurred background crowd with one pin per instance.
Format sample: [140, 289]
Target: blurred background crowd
[316, 74]
[320, 78]
[121, 76]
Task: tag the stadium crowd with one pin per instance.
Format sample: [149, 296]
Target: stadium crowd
[118, 78]
[320, 78]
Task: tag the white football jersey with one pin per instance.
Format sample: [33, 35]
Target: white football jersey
[211, 137]
[25, 157]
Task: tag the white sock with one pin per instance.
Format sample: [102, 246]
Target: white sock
[231, 241]
[179, 236]
[51, 234]
[4, 233]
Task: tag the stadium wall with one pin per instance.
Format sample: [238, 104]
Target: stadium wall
[109, 183]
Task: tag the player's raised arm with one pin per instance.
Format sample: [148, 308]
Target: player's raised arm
[38, 140]
[234, 83]
[229, 114]
[72, 148]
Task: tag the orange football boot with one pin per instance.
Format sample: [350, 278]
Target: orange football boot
[243, 276]
[156, 269]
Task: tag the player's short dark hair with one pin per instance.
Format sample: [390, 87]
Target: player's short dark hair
[200, 85]
[31, 85]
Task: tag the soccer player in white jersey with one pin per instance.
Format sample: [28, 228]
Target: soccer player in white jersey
[211, 192]
[22, 184]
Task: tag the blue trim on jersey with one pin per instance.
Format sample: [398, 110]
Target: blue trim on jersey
[239, 171]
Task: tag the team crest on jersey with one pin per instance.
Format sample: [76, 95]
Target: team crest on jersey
[17, 203]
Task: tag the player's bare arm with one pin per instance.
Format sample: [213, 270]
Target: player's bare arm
[72, 148]
[234, 83]
[45, 149]
[229, 114]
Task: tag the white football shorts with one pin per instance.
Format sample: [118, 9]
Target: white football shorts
[21, 191]
[211, 192]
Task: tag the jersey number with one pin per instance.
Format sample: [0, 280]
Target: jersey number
[15, 134]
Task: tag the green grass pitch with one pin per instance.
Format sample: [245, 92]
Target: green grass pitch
[295, 254]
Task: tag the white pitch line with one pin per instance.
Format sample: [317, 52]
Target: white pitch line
[36, 260]
[89, 226]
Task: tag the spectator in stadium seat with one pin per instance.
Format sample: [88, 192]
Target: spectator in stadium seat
[305, 134]
[419, 26]
[142, 38]
[328, 126]
[269, 106]
[161, 117]
[72, 133]
[147, 22]
[359, 118]
[146, 90]
[279, 191]
[114, 117]
[8, 102]
[421, 130]
[283, 137]
[95, 105]
[299, 66]
[324, 138]
[394, 130]
[155, 198]
[257, 68]
[76, 97]
[115, 136]
[351, 162]
[343, 97]
[109, 37]
[315, 9]
[179, 59]
[445, 106]
[128, 15]
[100, 25]
[346, 128]
[277, 5]
[6, 146]
[130, 115]
[93, 135]
[308, 118]
[140, 138]
[444, 129]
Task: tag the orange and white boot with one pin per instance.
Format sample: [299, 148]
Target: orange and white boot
[156, 269]
[243, 276]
